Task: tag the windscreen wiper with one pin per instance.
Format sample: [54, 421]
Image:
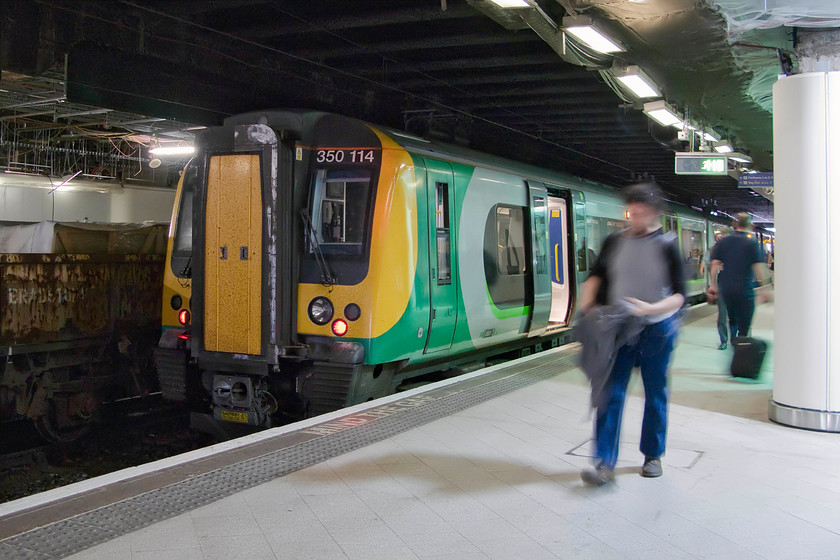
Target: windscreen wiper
[327, 279]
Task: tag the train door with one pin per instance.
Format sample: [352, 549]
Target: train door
[561, 279]
[582, 246]
[541, 276]
[443, 295]
[670, 223]
[233, 255]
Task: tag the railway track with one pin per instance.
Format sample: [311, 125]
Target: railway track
[129, 436]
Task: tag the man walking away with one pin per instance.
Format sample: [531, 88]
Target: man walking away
[739, 261]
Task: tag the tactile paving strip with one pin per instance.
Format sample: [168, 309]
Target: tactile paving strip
[83, 531]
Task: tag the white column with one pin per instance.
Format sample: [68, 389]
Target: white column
[806, 153]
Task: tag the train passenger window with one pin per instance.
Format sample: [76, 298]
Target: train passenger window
[540, 226]
[339, 209]
[443, 238]
[510, 231]
[692, 248]
[597, 230]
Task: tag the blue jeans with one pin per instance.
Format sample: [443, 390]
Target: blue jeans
[652, 352]
[722, 327]
[741, 308]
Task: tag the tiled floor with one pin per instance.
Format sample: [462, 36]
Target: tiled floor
[501, 481]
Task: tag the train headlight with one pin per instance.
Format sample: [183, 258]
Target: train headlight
[339, 327]
[176, 302]
[320, 310]
[184, 317]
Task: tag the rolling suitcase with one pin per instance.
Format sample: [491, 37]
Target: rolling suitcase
[748, 357]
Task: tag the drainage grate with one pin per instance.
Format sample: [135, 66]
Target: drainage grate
[83, 531]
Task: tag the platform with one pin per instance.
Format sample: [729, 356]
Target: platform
[486, 467]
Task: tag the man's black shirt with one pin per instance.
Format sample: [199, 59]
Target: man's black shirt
[738, 252]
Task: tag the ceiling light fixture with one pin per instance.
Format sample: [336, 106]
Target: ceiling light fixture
[582, 29]
[739, 157]
[511, 3]
[636, 81]
[173, 151]
[723, 147]
[661, 113]
[710, 136]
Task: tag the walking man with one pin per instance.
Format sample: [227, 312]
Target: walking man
[638, 267]
[739, 261]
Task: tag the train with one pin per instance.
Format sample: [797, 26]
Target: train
[80, 319]
[317, 261]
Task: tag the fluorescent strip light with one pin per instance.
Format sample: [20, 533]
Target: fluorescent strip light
[710, 137]
[661, 113]
[582, 29]
[173, 151]
[638, 86]
[593, 39]
[511, 3]
[723, 149]
[740, 158]
[663, 116]
[636, 81]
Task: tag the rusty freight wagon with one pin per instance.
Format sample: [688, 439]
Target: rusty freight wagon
[77, 322]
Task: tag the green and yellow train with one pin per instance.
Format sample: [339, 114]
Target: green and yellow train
[317, 261]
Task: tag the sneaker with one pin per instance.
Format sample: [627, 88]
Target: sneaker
[722, 346]
[599, 476]
[652, 468]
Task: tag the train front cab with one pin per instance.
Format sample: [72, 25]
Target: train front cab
[226, 244]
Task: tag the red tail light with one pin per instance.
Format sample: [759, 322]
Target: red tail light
[339, 327]
[184, 316]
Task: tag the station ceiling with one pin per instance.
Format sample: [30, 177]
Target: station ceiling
[95, 77]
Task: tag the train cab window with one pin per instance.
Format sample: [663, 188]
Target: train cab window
[444, 258]
[182, 234]
[510, 231]
[340, 208]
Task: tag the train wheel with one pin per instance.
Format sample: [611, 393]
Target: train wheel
[49, 428]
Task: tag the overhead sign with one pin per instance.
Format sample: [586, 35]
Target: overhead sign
[755, 181]
[699, 163]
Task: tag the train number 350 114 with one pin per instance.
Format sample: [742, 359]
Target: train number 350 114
[344, 156]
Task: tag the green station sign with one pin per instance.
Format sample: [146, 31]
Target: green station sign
[699, 163]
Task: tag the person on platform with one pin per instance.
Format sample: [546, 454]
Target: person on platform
[737, 261]
[722, 326]
[639, 269]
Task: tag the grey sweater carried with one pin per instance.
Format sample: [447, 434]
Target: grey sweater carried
[648, 268]
[602, 332]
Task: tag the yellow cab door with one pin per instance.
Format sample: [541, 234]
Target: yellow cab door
[232, 255]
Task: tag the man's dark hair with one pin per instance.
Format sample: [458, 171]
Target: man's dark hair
[646, 193]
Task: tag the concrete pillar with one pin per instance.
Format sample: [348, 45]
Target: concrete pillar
[818, 50]
[806, 144]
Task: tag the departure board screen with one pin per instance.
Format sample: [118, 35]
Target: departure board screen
[700, 164]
